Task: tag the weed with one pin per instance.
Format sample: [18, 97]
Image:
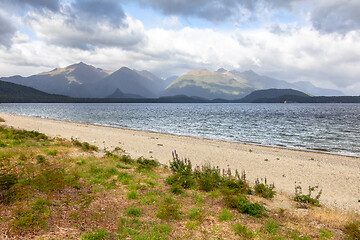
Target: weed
[264, 190]
[199, 199]
[271, 227]
[169, 209]
[242, 204]
[85, 201]
[208, 178]
[302, 198]
[125, 177]
[132, 195]
[158, 232]
[146, 164]
[191, 225]
[133, 212]
[40, 159]
[196, 214]
[7, 193]
[325, 234]
[177, 165]
[176, 189]
[243, 231]
[32, 217]
[129, 227]
[122, 166]
[214, 194]
[97, 235]
[22, 157]
[52, 179]
[126, 159]
[226, 215]
[50, 152]
[185, 181]
[85, 145]
[295, 235]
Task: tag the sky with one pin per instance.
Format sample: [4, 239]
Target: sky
[293, 40]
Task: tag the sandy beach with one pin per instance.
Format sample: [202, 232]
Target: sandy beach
[337, 176]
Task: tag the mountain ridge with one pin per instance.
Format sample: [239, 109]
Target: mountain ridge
[87, 81]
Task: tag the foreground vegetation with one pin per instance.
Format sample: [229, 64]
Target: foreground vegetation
[58, 189]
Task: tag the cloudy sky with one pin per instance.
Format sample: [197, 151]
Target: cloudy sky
[293, 40]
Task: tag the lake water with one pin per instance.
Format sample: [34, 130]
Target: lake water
[333, 128]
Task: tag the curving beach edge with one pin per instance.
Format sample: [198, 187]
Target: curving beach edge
[338, 176]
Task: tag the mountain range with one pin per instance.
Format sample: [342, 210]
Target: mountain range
[14, 93]
[85, 81]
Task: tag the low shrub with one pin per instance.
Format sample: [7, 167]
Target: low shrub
[264, 190]
[243, 205]
[302, 198]
[126, 159]
[185, 181]
[180, 166]
[146, 164]
[208, 178]
[176, 189]
[7, 181]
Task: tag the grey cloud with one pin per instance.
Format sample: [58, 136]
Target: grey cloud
[211, 10]
[337, 16]
[87, 24]
[214, 10]
[7, 30]
[52, 5]
[96, 10]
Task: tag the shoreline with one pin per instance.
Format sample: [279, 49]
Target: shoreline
[250, 143]
[337, 175]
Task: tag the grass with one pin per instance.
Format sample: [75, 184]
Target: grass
[133, 212]
[243, 231]
[61, 188]
[226, 215]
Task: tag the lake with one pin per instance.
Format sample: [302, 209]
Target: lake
[331, 128]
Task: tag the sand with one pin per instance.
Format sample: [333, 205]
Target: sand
[337, 176]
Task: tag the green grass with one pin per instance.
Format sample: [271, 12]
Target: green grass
[226, 215]
[133, 212]
[243, 231]
[97, 235]
[196, 214]
[169, 209]
[133, 194]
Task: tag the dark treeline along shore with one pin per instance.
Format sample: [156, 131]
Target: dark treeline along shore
[14, 93]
